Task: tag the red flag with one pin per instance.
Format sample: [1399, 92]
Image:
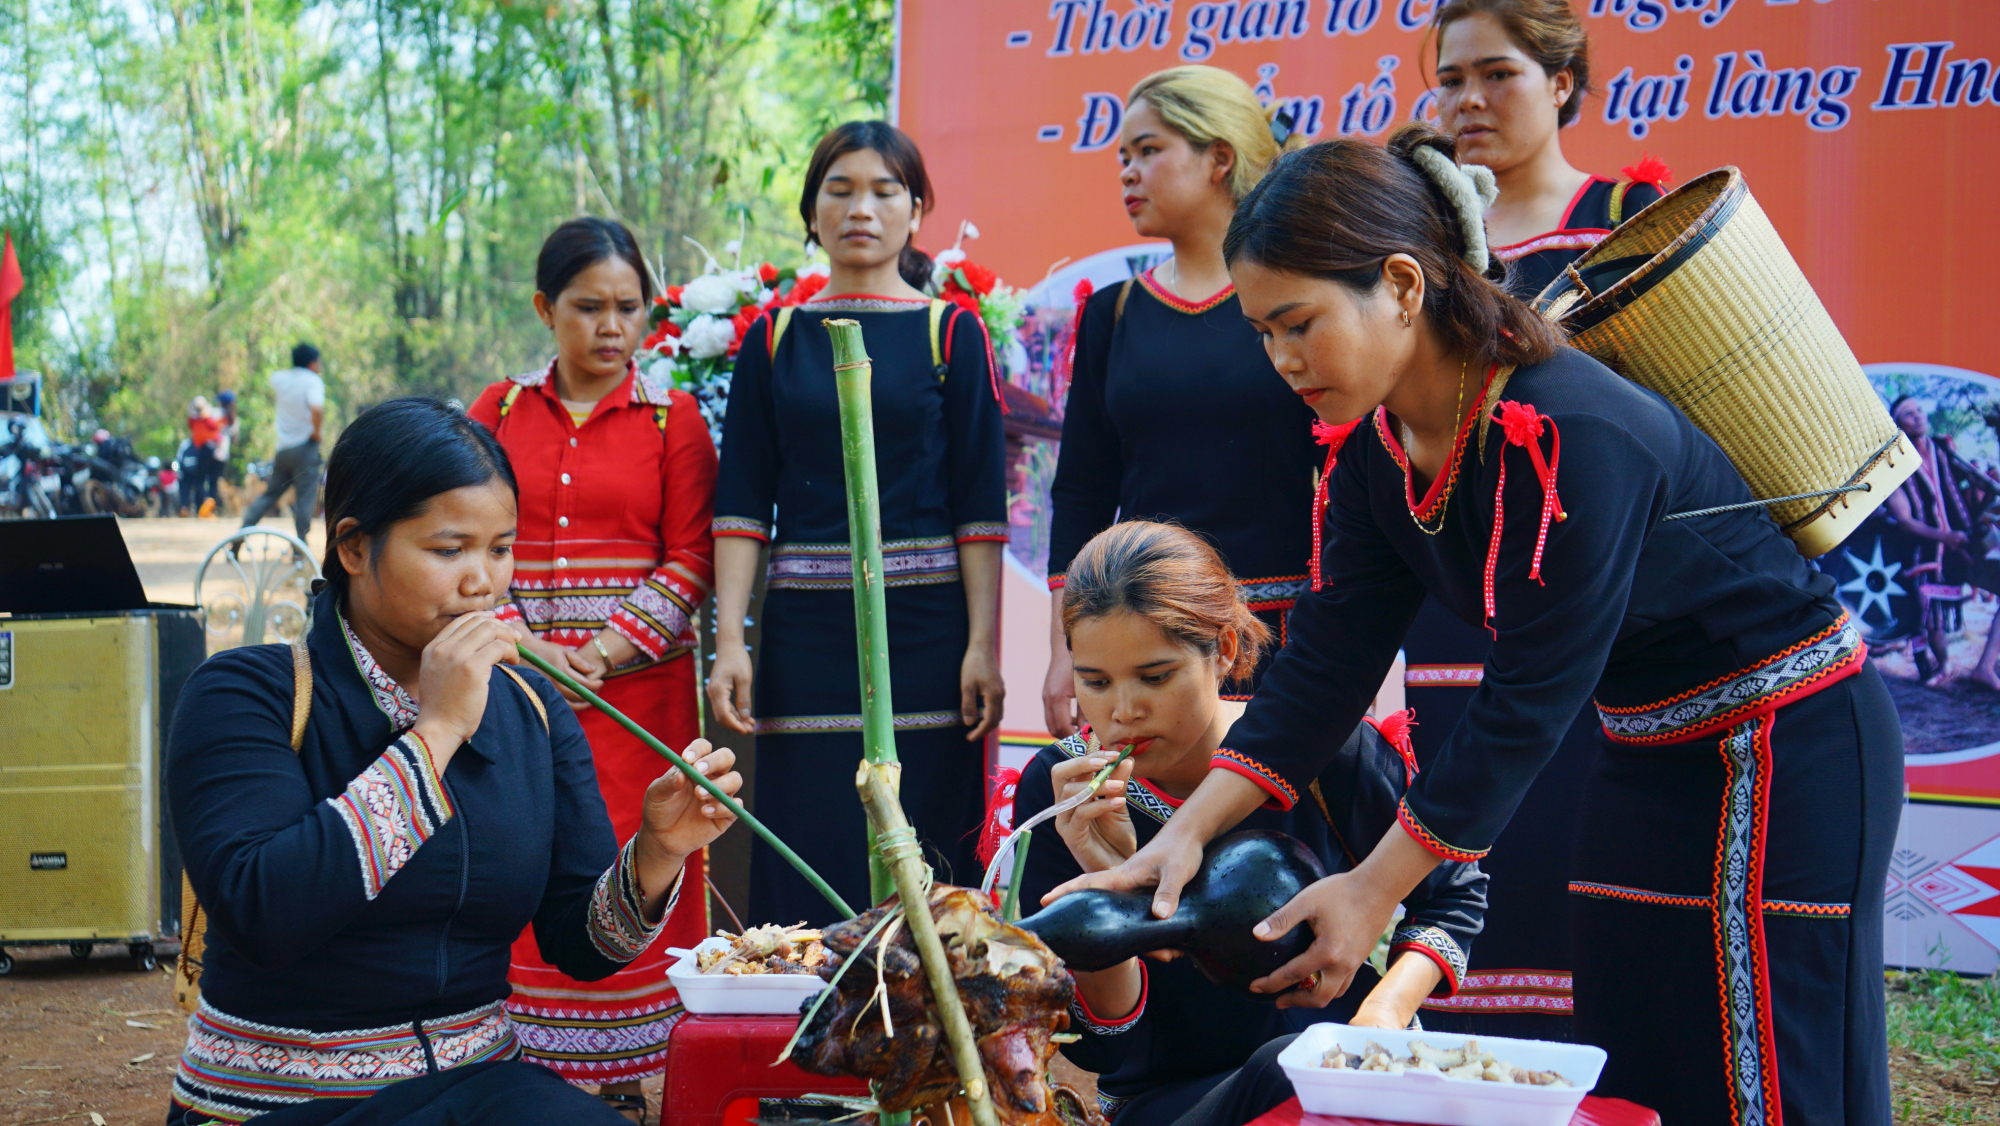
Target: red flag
[10, 288]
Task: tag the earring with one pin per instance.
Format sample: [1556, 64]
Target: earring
[1406, 318]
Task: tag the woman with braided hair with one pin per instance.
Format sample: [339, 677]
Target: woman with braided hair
[1734, 837]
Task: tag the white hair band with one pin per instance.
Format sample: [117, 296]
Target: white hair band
[1470, 189]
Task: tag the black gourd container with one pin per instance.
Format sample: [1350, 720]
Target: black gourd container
[1244, 877]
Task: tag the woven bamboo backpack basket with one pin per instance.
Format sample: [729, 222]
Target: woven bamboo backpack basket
[1697, 298]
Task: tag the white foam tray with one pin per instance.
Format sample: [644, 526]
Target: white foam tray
[1433, 1099]
[742, 994]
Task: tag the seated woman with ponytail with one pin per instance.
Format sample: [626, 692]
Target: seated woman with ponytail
[1156, 630]
[365, 877]
[1734, 837]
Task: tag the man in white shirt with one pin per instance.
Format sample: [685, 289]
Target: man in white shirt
[299, 396]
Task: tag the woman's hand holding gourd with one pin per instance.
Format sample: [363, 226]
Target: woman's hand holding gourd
[1099, 832]
[681, 819]
[1348, 912]
[451, 686]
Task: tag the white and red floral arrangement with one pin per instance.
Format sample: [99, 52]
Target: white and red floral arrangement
[698, 328]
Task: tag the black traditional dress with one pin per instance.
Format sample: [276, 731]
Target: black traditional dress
[361, 906]
[1519, 984]
[1187, 1034]
[940, 464]
[1175, 414]
[1734, 839]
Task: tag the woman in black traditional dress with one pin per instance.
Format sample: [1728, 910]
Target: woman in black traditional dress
[1174, 414]
[371, 818]
[1735, 835]
[940, 461]
[1511, 74]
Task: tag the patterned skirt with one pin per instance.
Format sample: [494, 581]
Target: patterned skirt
[1518, 980]
[1727, 909]
[616, 1029]
[808, 708]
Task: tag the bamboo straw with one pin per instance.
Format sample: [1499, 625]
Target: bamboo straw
[894, 846]
[696, 776]
[853, 376]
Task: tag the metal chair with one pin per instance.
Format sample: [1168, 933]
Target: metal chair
[266, 589]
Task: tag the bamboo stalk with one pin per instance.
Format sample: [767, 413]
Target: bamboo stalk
[696, 776]
[895, 857]
[1011, 911]
[853, 377]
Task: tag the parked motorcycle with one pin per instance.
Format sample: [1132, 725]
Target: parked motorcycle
[30, 472]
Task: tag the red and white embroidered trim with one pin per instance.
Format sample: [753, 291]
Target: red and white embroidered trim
[1437, 945]
[1509, 991]
[1805, 667]
[1433, 843]
[1332, 437]
[618, 925]
[391, 809]
[1283, 796]
[1080, 1009]
[1443, 676]
[1523, 425]
[233, 1069]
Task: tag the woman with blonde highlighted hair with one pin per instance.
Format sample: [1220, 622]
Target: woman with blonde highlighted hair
[1174, 412]
[1156, 630]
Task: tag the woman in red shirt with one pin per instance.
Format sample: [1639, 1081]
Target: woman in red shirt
[617, 481]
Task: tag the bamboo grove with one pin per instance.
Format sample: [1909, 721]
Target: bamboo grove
[194, 185]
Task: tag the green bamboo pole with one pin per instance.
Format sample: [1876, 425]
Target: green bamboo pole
[853, 376]
[1012, 909]
[895, 857]
[687, 768]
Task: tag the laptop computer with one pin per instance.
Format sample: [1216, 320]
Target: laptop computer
[70, 565]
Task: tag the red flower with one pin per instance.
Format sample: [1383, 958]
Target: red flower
[962, 299]
[767, 273]
[981, 278]
[741, 322]
[660, 299]
[674, 293]
[669, 328]
[1650, 169]
[659, 336]
[804, 289]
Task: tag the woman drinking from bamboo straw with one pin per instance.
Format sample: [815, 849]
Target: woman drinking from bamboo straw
[372, 820]
[1156, 631]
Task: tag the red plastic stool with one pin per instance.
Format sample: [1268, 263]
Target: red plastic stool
[719, 1069]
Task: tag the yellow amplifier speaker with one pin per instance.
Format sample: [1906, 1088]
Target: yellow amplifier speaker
[85, 856]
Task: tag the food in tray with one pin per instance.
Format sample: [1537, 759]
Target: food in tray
[1467, 1061]
[769, 949]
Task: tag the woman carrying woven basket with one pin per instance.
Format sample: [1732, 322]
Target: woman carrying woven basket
[367, 852]
[1510, 75]
[1735, 834]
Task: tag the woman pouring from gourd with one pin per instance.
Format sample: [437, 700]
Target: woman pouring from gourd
[1735, 835]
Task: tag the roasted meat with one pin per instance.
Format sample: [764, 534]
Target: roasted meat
[1016, 996]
